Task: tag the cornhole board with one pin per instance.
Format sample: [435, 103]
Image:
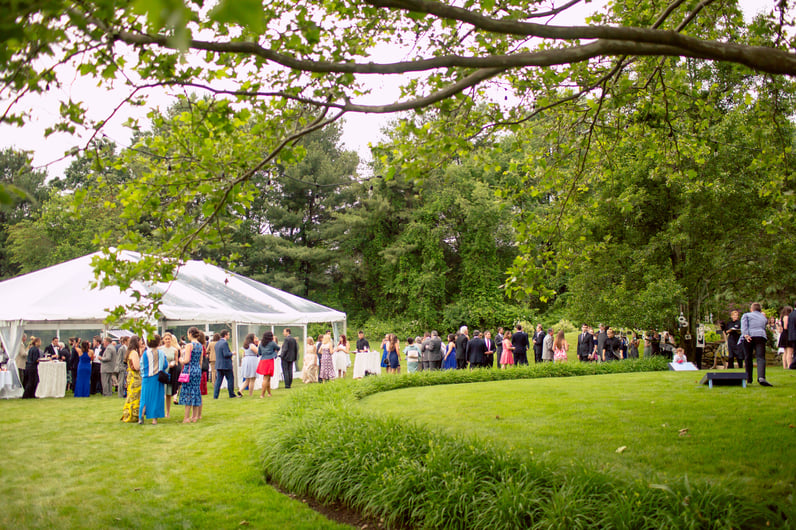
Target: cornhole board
[724, 379]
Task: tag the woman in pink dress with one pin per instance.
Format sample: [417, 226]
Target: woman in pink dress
[507, 357]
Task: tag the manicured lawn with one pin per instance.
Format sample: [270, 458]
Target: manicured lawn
[745, 435]
[70, 463]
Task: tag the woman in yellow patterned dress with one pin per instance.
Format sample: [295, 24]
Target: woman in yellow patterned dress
[130, 411]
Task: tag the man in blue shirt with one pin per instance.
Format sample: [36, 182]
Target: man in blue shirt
[224, 365]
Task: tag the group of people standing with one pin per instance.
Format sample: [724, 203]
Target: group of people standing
[158, 369]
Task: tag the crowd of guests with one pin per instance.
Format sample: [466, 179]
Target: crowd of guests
[163, 371]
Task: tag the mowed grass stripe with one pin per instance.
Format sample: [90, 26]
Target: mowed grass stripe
[70, 463]
[745, 435]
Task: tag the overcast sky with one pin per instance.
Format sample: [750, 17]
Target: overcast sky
[359, 130]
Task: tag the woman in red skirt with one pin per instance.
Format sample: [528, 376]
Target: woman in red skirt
[268, 351]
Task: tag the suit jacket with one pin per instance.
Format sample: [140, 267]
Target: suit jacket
[64, 355]
[289, 349]
[109, 360]
[538, 338]
[121, 355]
[585, 344]
[547, 348]
[49, 351]
[461, 347]
[223, 355]
[432, 349]
[520, 342]
[476, 348]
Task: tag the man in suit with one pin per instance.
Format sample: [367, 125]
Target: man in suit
[585, 344]
[601, 337]
[109, 366]
[96, 380]
[74, 360]
[224, 365]
[52, 349]
[476, 350]
[432, 350]
[520, 343]
[121, 354]
[461, 348]
[548, 355]
[538, 342]
[489, 356]
[289, 354]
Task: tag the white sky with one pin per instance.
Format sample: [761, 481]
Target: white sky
[359, 130]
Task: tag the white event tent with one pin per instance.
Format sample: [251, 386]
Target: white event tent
[60, 298]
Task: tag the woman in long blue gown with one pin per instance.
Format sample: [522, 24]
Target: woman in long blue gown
[83, 383]
[153, 392]
[449, 361]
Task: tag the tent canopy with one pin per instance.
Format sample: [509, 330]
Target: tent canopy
[201, 293]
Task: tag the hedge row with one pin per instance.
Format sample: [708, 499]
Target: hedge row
[324, 446]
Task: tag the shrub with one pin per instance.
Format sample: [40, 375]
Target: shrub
[392, 469]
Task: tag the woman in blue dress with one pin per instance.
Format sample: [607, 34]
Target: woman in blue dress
[190, 392]
[153, 392]
[449, 362]
[83, 380]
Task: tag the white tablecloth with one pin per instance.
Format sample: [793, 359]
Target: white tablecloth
[367, 360]
[52, 380]
[7, 390]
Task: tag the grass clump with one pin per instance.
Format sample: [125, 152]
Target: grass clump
[411, 476]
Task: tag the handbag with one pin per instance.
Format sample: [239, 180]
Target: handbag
[185, 376]
[164, 378]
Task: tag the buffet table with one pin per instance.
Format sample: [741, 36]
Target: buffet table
[369, 361]
[52, 379]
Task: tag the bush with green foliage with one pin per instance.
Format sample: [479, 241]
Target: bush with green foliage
[386, 467]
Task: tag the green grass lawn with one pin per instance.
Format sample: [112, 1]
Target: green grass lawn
[70, 463]
[744, 435]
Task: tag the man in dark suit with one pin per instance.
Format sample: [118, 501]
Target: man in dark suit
[520, 343]
[476, 350]
[489, 356]
[289, 356]
[224, 365]
[585, 344]
[538, 343]
[461, 348]
[52, 349]
[432, 350]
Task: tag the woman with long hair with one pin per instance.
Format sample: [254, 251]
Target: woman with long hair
[341, 357]
[787, 355]
[190, 393]
[153, 393]
[32, 368]
[84, 354]
[507, 355]
[171, 353]
[327, 365]
[133, 401]
[560, 347]
[449, 361]
[392, 354]
[309, 373]
[248, 366]
[268, 351]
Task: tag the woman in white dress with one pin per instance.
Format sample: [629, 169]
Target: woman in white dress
[341, 357]
[248, 366]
